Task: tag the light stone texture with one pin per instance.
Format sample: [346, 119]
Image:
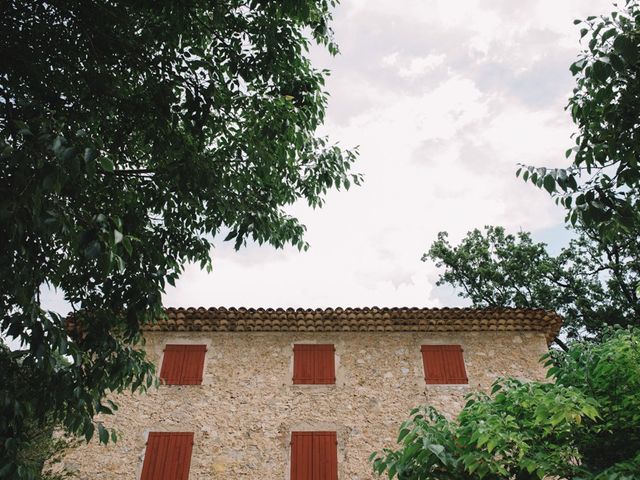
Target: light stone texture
[247, 407]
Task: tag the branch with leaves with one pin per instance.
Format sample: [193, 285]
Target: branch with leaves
[600, 187]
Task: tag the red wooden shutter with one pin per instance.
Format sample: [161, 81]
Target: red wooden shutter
[167, 456]
[301, 456]
[325, 456]
[325, 365]
[303, 371]
[443, 364]
[314, 364]
[183, 364]
[193, 364]
[454, 364]
[314, 456]
[172, 361]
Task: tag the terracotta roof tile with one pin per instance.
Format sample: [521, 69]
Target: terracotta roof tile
[374, 319]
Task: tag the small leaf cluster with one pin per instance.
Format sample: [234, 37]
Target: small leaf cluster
[584, 426]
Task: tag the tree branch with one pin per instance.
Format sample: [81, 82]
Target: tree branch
[561, 344]
[138, 171]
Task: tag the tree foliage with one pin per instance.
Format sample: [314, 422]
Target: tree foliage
[585, 426]
[41, 442]
[131, 135]
[600, 187]
[590, 283]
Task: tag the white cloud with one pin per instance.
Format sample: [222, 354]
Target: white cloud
[417, 66]
[390, 60]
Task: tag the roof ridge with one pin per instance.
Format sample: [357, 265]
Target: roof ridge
[363, 309]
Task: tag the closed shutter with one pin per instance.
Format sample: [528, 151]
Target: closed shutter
[454, 364]
[167, 456]
[443, 364]
[314, 456]
[301, 456]
[314, 364]
[325, 456]
[303, 371]
[193, 364]
[183, 364]
[172, 361]
[324, 362]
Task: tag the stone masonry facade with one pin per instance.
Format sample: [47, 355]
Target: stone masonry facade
[247, 406]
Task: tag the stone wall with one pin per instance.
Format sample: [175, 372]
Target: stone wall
[246, 408]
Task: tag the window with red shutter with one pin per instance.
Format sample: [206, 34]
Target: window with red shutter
[183, 364]
[444, 364]
[314, 456]
[314, 364]
[167, 456]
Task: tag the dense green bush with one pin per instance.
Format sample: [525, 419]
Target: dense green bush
[585, 425]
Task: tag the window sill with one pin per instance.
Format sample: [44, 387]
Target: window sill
[313, 386]
[447, 385]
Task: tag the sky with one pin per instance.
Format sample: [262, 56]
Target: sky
[443, 100]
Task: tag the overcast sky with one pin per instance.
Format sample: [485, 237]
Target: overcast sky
[444, 99]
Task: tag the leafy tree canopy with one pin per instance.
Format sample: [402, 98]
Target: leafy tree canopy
[131, 134]
[585, 426]
[590, 283]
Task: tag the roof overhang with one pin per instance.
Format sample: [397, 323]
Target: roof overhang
[374, 319]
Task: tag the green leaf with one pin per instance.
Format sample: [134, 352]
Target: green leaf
[403, 433]
[90, 154]
[88, 431]
[608, 34]
[126, 243]
[58, 143]
[93, 250]
[106, 164]
[600, 71]
[549, 184]
[438, 451]
[103, 433]
[626, 48]
[484, 438]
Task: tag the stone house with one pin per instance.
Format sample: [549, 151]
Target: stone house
[303, 394]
